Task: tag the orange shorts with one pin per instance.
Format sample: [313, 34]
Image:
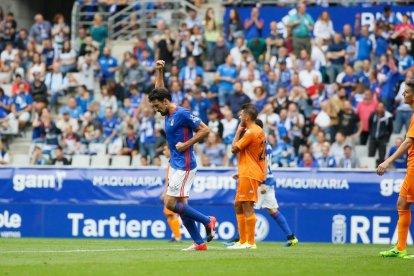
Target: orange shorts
[168, 212]
[247, 189]
[407, 188]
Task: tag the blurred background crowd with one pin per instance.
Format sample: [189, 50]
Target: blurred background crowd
[329, 98]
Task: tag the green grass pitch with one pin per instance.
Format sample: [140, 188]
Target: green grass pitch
[137, 257]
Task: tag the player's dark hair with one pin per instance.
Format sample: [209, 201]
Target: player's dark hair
[259, 123]
[159, 94]
[250, 110]
[410, 84]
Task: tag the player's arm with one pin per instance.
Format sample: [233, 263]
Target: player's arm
[408, 143]
[159, 74]
[234, 148]
[201, 132]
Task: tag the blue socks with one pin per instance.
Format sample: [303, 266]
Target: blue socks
[281, 221]
[185, 209]
[192, 229]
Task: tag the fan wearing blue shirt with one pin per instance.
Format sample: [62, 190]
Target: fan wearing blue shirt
[405, 61]
[200, 105]
[326, 160]
[389, 78]
[189, 73]
[108, 65]
[349, 81]
[4, 105]
[74, 110]
[227, 75]
[147, 135]
[21, 107]
[364, 45]
[401, 162]
[180, 125]
[136, 98]
[109, 126]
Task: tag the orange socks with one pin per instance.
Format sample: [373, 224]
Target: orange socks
[250, 227]
[404, 221]
[174, 224]
[241, 222]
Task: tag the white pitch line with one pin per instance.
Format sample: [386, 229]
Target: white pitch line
[97, 250]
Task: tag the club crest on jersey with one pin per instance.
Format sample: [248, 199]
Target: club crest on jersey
[194, 118]
[172, 122]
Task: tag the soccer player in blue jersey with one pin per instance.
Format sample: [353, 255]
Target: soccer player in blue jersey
[267, 200]
[179, 127]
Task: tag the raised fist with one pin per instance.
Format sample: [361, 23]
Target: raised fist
[159, 65]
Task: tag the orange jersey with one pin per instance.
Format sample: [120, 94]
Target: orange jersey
[410, 133]
[252, 156]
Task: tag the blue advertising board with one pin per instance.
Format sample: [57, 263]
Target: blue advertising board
[281, 14]
[211, 187]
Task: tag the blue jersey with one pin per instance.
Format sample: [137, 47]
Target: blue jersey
[179, 127]
[270, 179]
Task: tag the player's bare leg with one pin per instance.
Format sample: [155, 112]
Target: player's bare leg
[404, 221]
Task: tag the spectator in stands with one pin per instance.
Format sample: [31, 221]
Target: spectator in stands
[403, 30]
[165, 49]
[193, 19]
[349, 122]
[90, 130]
[237, 99]
[7, 57]
[211, 32]
[22, 40]
[234, 28]
[70, 141]
[72, 108]
[22, 105]
[405, 61]
[87, 70]
[220, 52]
[253, 26]
[37, 158]
[388, 17]
[229, 125]
[4, 155]
[349, 161]
[200, 105]
[130, 145]
[214, 123]
[226, 75]
[365, 74]
[108, 65]
[274, 40]
[317, 147]
[323, 27]
[214, 150]
[364, 111]
[349, 81]
[18, 79]
[380, 129]
[388, 79]
[135, 74]
[147, 139]
[260, 98]
[308, 162]
[45, 130]
[109, 126]
[60, 159]
[336, 57]
[79, 42]
[326, 160]
[60, 31]
[401, 162]
[364, 45]
[55, 84]
[65, 120]
[5, 108]
[40, 30]
[301, 24]
[147, 62]
[306, 76]
[37, 67]
[49, 53]
[337, 148]
[99, 31]
[403, 111]
[189, 73]
[39, 92]
[8, 28]
[108, 99]
[258, 48]
[236, 52]
[67, 58]
[282, 151]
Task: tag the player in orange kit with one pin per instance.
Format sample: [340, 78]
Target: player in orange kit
[407, 189]
[172, 218]
[251, 173]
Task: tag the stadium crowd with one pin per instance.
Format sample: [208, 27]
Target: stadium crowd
[320, 91]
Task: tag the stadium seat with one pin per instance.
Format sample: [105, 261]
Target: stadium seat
[81, 161]
[368, 162]
[100, 161]
[98, 148]
[120, 161]
[20, 160]
[361, 151]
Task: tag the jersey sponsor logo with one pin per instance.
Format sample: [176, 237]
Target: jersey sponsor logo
[38, 181]
[388, 187]
[312, 183]
[121, 181]
[194, 118]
